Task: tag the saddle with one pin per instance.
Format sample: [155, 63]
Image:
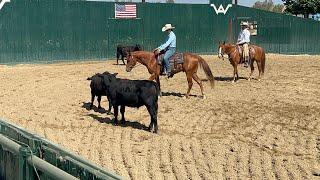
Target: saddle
[175, 61]
[240, 50]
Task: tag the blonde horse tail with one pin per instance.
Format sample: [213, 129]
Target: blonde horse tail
[207, 71]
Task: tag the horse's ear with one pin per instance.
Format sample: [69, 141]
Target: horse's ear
[224, 42]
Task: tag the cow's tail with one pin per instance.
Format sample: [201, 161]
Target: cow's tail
[207, 71]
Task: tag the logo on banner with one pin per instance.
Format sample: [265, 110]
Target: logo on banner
[3, 2]
[221, 9]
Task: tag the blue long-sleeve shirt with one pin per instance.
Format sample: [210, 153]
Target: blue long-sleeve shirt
[170, 42]
[244, 36]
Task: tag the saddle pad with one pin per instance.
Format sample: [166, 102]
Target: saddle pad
[177, 58]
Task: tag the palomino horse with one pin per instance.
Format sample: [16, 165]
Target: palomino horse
[189, 66]
[256, 54]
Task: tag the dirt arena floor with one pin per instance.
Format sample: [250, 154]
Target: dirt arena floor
[244, 130]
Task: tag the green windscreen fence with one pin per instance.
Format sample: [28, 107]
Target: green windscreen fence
[47, 30]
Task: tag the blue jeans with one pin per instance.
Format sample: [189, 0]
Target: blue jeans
[167, 57]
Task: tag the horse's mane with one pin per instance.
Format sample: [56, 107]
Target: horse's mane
[144, 56]
[141, 53]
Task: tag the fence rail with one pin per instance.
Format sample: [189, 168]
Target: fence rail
[25, 156]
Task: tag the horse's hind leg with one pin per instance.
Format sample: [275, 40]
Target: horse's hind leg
[260, 69]
[198, 80]
[190, 83]
[252, 69]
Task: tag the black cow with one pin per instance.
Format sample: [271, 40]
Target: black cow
[97, 89]
[132, 93]
[124, 50]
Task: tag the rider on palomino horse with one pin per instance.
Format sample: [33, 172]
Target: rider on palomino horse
[244, 40]
[169, 46]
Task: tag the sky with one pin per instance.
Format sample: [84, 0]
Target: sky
[247, 3]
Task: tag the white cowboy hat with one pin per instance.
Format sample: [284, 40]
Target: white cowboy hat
[244, 24]
[167, 27]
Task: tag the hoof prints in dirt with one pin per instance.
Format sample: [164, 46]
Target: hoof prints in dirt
[265, 130]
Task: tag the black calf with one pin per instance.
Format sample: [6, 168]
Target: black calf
[132, 93]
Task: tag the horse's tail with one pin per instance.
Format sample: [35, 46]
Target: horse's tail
[263, 61]
[207, 71]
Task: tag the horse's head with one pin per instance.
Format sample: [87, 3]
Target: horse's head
[221, 50]
[131, 62]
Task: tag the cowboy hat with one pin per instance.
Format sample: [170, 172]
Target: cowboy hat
[167, 27]
[244, 24]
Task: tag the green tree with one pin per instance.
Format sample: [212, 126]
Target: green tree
[169, 1]
[264, 5]
[268, 6]
[305, 7]
[278, 8]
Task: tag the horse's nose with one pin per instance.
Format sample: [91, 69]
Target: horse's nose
[128, 69]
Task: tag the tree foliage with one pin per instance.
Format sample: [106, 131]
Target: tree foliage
[268, 5]
[304, 7]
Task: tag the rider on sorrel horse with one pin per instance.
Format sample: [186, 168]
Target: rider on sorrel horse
[189, 66]
[256, 53]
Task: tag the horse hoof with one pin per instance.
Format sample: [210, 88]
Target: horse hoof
[249, 79]
[233, 81]
[259, 79]
[204, 97]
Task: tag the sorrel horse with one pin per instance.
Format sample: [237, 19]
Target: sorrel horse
[189, 66]
[257, 54]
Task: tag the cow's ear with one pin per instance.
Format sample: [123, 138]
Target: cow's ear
[224, 42]
[115, 74]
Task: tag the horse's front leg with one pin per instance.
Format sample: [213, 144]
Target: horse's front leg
[235, 73]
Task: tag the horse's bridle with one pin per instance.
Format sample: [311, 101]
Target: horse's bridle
[222, 55]
[137, 64]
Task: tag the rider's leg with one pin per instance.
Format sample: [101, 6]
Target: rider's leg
[167, 57]
[246, 54]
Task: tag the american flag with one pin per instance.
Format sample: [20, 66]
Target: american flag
[125, 11]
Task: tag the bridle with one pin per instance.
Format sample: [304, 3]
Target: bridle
[137, 64]
[222, 54]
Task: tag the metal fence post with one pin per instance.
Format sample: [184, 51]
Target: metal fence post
[25, 172]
